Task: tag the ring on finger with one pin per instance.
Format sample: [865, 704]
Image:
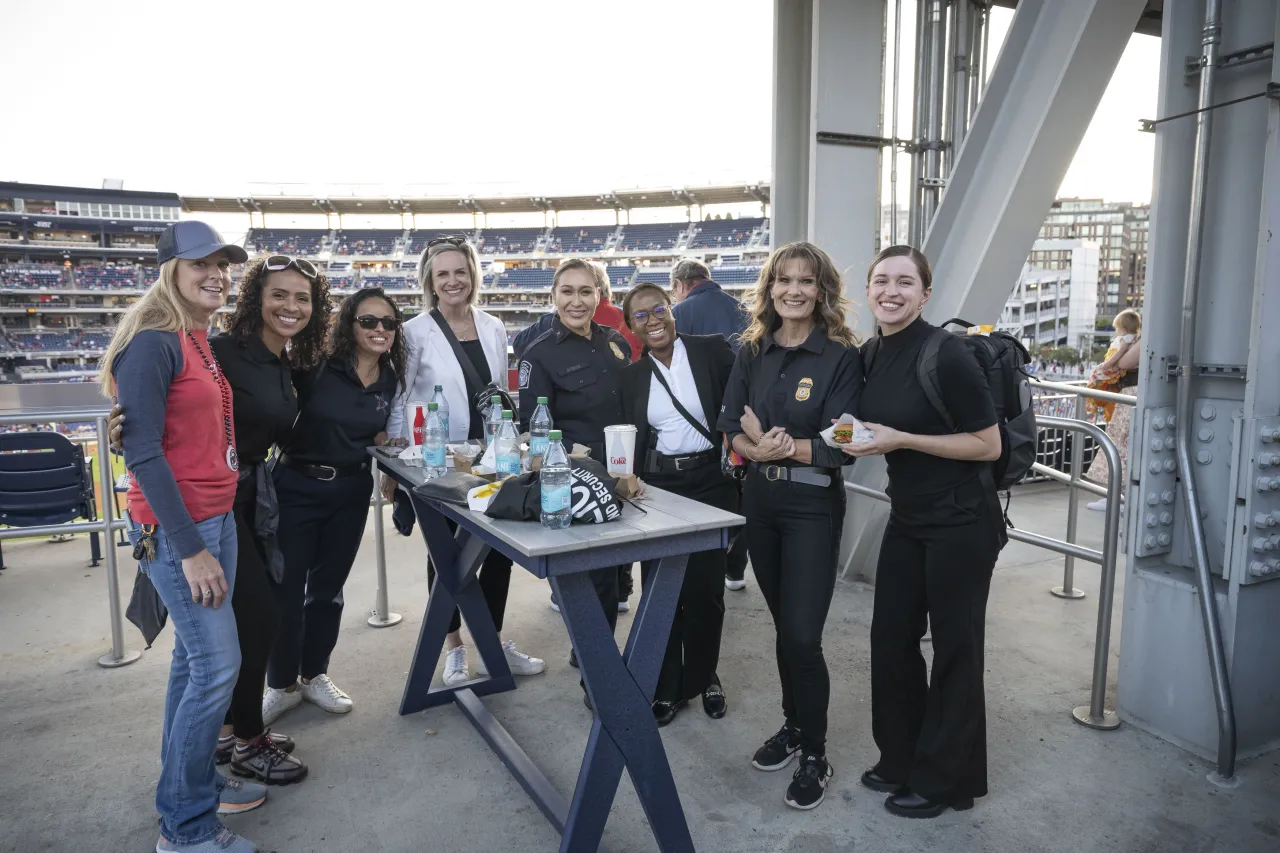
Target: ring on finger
[206, 593]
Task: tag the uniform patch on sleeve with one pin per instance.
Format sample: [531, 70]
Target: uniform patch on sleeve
[617, 350]
[525, 369]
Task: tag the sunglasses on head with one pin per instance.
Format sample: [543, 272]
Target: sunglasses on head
[658, 311]
[368, 321]
[453, 240]
[279, 263]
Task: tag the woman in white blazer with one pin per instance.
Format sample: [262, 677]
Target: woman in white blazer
[449, 272]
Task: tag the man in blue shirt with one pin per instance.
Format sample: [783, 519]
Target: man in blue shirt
[702, 307]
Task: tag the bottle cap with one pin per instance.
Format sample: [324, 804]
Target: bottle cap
[542, 401]
[554, 435]
[439, 387]
[506, 414]
[433, 407]
[495, 399]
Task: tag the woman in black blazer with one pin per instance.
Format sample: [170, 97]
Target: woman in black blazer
[680, 451]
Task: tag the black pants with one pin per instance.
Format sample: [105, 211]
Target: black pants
[321, 524]
[736, 560]
[935, 569]
[257, 619]
[494, 579]
[793, 536]
[693, 652]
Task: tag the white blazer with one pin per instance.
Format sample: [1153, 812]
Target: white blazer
[430, 362]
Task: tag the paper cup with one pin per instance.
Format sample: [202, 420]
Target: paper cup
[620, 448]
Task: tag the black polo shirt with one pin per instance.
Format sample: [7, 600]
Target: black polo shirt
[581, 379]
[262, 394]
[339, 416]
[801, 389]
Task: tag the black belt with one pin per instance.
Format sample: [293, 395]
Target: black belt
[661, 463]
[807, 476]
[322, 472]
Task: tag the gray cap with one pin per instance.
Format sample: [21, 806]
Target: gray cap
[194, 239]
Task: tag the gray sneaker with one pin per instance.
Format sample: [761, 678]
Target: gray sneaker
[225, 841]
[239, 797]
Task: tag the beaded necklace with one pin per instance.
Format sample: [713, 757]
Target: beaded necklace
[224, 390]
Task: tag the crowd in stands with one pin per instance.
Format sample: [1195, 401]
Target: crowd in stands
[418, 240]
[509, 240]
[653, 237]
[31, 277]
[588, 239]
[366, 243]
[93, 277]
[388, 282]
[305, 242]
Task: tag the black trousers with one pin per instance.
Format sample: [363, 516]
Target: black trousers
[494, 579]
[793, 537]
[257, 619]
[693, 652]
[736, 559]
[934, 569]
[321, 525]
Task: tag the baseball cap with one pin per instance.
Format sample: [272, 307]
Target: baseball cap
[194, 239]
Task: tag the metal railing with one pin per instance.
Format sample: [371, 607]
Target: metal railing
[1093, 715]
[381, 617]
[106, 524]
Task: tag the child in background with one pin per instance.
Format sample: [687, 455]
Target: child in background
[1106, 376]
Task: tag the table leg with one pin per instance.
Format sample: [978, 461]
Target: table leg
[623, 733]
[457, 558]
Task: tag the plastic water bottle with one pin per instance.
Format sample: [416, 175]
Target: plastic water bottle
[556, 479]
[492, 420]
[507, 450]
[539, 428]
[433, 444]
[438, 398]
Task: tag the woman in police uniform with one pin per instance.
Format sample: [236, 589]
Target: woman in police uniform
[944, 534]
[797, 371]
[673, 397]
[577, 365]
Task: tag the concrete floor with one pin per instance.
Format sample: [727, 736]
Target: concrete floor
[78, 744]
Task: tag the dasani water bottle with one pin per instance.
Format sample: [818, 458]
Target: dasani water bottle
[506, 449]
[433, 443]
[438, 398]
[539, 428]
[492, 420]
[556, 479]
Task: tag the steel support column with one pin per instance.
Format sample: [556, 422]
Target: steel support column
[1055, 65]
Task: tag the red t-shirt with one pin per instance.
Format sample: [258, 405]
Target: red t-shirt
[608, 314]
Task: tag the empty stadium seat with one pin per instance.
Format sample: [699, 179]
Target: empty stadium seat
[652, 237]
[588, 239]
[509, 240]
[717, 233]
[299, 242]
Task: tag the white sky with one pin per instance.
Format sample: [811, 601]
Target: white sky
[476, 97]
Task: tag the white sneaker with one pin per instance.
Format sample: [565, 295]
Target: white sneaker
[323, 693]
[1100, 505]
[455, 666]
[624, 606]
[735, 585]
[276, 702]
[518, 661]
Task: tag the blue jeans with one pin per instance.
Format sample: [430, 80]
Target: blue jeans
[206, 660]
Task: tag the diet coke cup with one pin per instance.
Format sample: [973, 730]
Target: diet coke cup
[620, 448]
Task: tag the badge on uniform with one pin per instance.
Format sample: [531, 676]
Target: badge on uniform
[617, 350]
[525, 369]
[802, 390]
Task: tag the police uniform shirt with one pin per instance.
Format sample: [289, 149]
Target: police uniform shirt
[581, 379]
[264, 404]
[339, 417]
[894, 397]
[801, 389]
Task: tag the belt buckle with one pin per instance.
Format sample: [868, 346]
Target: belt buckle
[773, 473]
[333, 473]
[679, 462]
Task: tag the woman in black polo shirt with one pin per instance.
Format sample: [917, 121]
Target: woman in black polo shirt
[324, 482]
[945, 531]
[797, 371]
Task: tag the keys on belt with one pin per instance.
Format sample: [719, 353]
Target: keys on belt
[146, 547]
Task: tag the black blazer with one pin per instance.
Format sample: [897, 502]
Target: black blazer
[710, 359]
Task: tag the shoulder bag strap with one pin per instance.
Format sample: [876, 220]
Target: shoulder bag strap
[927, 374]
[684, 413]
[469, 374]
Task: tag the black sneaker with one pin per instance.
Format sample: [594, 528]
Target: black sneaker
[809, 784]
[778, 750]
[227, 745]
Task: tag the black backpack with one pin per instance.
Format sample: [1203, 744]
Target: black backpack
[1003, 359]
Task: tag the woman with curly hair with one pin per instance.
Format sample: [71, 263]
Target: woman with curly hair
[323, 481]
[797, 371]
[279, 325]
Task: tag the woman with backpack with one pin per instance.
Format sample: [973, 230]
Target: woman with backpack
[945, 531]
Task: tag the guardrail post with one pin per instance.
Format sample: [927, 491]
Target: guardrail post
[1068, 589]
[381, 616]
[117, 656]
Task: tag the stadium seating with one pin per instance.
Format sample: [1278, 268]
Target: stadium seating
[715, 233]
[620, 275]
[94, 340]
[43, 341]
[509, 240]
[31, 277]
[389, 282]
[652, 237]
[588, 239]
[366, 242]
[662, 277]
[301, 242]
[418, 240]
[90, 277]
[736, 275]
[525, 278]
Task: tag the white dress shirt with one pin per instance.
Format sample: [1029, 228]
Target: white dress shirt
[676, 436]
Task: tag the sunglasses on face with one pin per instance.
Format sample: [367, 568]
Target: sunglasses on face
[368, 321]
[658, 312]
[453, 240]
[278, 263]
